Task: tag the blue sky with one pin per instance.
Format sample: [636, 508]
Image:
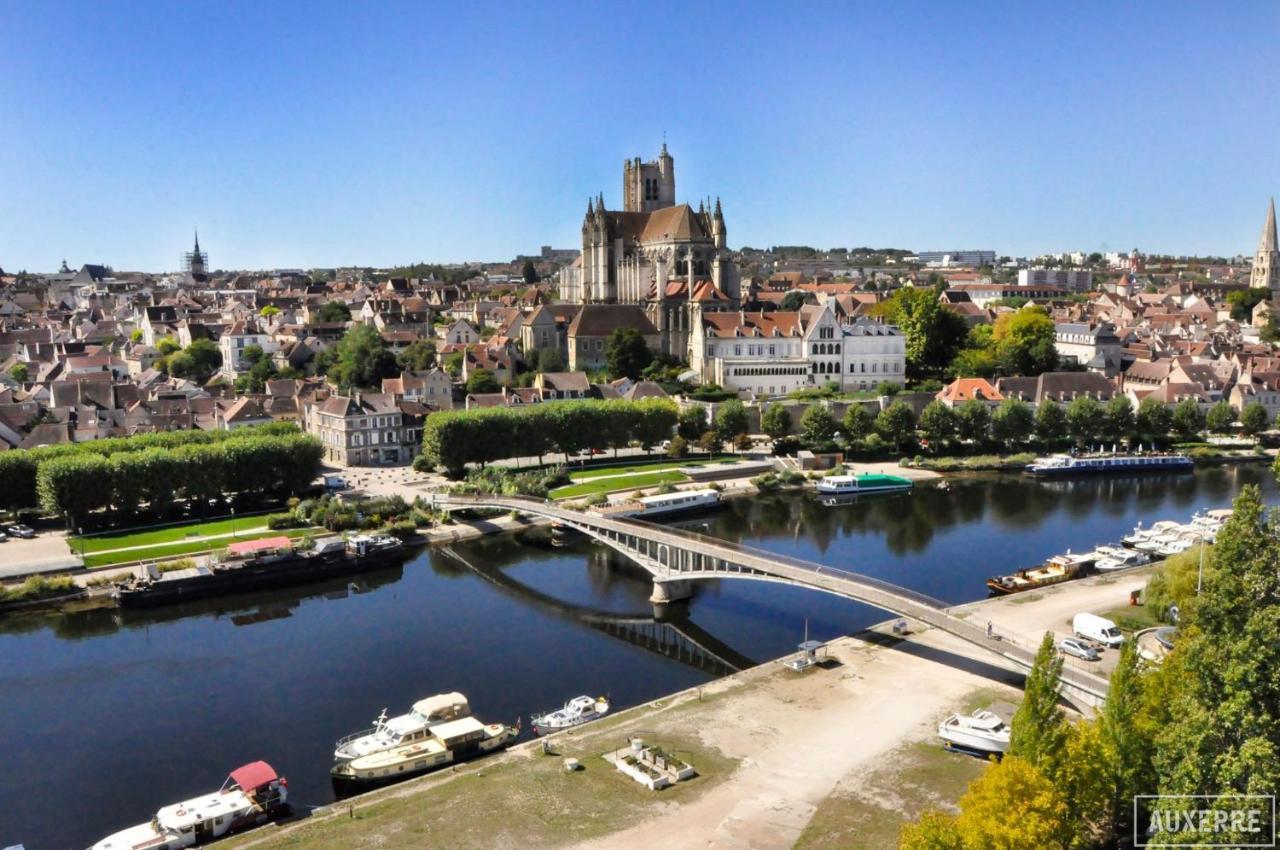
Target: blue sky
[314, 134]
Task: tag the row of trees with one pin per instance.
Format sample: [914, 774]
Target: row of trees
[452, 439]
[78, 484]
[19, 467]
[1084, 421]
[1201, 723]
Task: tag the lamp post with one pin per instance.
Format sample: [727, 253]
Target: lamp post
[233, 520]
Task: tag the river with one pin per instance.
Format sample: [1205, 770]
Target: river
[106, 716]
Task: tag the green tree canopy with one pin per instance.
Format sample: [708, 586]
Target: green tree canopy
[1085, 420]
[19, 372]
[792, 301]
[896, 425]
[1024, 342]
[817, 425]
[626, 353]
[482, 381]
[973, 420]
[334, 311]
[1012, 422]
[1153, 420]
[1051, 422]
[549, 360]
[933, 334]
[1254, 419]
[529, 272]
[1188, 419]
[1220, 417]
[1038, 727]
[730, 420]
[857, 422]
[362, 359]
[938, 424]
[776, 421]
[167, 345]
[417, 356]
[692, 422]
[1118, 419]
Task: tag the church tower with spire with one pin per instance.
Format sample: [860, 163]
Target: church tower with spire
[1266, 263]
[196, 263]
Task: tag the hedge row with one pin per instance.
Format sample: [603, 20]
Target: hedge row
[452, 439]
[18, 467]
[74, 485]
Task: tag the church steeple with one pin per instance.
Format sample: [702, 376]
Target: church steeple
[196, 263]
[1266, 262]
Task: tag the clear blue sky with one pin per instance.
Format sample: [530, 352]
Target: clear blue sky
[315, 134]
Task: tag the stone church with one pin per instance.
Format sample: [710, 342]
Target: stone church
[667, 257]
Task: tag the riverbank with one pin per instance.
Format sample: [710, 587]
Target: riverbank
[783, 758]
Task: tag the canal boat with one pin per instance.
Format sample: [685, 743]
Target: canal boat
[1108, 464]
[407, 728]
[445, 743]
[981, 731]
[259, 565]
[579, 710]
[1030, 579]
[681, 501]
[252, 795]
[858, 485]
[1075, 561]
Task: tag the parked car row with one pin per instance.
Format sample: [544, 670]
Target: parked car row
[1093, 634]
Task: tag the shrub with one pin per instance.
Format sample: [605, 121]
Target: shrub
[790, 477]
[403, 529]
[595, 499]
[37, 587]
[766, 481]
[278, 521]
[174, 566]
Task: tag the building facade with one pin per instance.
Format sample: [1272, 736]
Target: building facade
[360, 430]
[1266, 262]
[1072, 280]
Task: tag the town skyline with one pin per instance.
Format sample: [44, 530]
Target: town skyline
[323, 140]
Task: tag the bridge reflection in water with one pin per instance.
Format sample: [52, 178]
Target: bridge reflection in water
[672, 635]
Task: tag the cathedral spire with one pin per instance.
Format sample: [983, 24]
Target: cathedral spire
[1268, 241]
[590, 208]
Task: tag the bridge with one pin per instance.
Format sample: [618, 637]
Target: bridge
[675, 558]
[677, 639]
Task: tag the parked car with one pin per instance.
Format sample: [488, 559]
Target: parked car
[1078, 648]
[1096, 628]
[24, 531]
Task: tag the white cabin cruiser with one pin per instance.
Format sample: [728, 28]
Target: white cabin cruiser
[982, 731]
[576, 711]
[403, 729]
[252, 795]
[1119, 559]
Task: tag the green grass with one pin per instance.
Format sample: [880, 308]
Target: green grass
[622, 482]
[108, 559]
[1132, 618]
[172, 534]
[600, 472]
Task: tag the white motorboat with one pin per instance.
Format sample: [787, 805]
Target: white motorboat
[1174, 547]
[446, 743]
[680, 501]
[1136, 536]
[576, 711]
[252, 795]
[404, 729]
[1120, 559]
[982, 731]
[851, 485]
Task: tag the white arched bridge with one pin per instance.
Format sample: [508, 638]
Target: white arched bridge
[675, 558]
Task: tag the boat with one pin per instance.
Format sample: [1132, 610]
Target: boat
[445, 743]
[858, 485]
[403, 729]
[981, 731]
[1142, 535]
[681, 501]
[258, 565]
[1174, 547]
[1065, 464]
[576, 711]
[1076, 561]
[1120, 559]
[1029, 579]
[252, 795]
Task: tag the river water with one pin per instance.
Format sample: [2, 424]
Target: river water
[106, 716]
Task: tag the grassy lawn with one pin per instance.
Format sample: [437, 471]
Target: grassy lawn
[1132, 618]
[599, 472]
[167, 550]
[622, 482]
[172, 534]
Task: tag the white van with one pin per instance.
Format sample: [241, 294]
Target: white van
[1097, 628]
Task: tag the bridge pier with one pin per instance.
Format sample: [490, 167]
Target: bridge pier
[670, 591]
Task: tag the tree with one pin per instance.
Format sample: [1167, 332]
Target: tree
[730, 420]
[1153, 420]
[857, 423]
[482, 381]
[1188, 419]
[136, 335]
[776, 421]
[792, 301]
[254, 380]
[529, 272]
[973, 421]
[938, 424]
[974, 363]
[1243, 301]
[268, 311]
[1051, 422]
[1128, 744]
[1253, 419]
[692, 422]
[19, 372]
[453, 364]
[1084, 420]
[933, 334]
[1012, 422]
[197, 362]
[1220, 418]
[626, 353]
[362, 359]
[167, 345]
[549, 360]
[417, 356]
[817, 425]
[1012, 806]
[333, 312]
[1038, 727]
[678, 448]
[1118, 419]
[896, 424]
[1024, 342]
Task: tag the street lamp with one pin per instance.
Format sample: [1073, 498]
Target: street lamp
[233, 520]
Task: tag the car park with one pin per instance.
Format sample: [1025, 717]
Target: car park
[1077, 648]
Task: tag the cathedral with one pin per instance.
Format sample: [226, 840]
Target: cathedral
[669, 258]
[1266, 261]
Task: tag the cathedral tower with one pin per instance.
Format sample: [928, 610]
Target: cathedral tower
[1266, 263]
[649, 186]
[196, 262]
